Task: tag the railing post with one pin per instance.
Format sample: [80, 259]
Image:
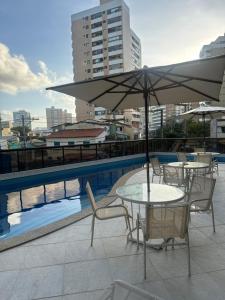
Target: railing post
[42, 158]
[63, 155]
[96, 151]
[81, 156]
[18, 161]
[110, 150]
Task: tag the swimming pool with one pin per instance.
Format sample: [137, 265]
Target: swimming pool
[32, 202]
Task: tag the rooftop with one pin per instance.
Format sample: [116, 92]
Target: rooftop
[63, 266]
[76, 133]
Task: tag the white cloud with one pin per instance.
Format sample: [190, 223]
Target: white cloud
[16, 75]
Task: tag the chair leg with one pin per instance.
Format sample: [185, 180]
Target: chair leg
[189, 258]
[129, 227]
[213, 219]
[132, 214]
[92, 229]
[144, 258]
[137, 225]
[152, 177]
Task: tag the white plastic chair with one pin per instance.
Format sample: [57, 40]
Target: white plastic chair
[175, 176]
[200, 196]
[165, 222]
[157, 169]
[121, 290]
[182, 156]
[105, 213]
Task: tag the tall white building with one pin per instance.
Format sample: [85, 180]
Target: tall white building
[20, 118]
[216, 48]
[57, 116]
[103, 43]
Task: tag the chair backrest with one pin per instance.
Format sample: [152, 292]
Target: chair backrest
[156, 166]
[122, 290]
[198, 149]
[173, 175]
[201, 191]
[181, 156]
[123, 179]
[91, 196]
[170, 221]
[204, 158]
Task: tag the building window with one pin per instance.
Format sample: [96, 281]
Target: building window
[98, 51]
[98, 33]
[97, 60]
[117, 56]
[97, 70]
[223, 129]
[100, 113]
[114, 29]
[115, 38]
[96, 43]
[114, 48]
[113, 20]
[56, 143]
[116, 66]
[96, 16]
[95, 25]
[71, 143]
[113, 10]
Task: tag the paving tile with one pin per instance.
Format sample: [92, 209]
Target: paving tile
[198, 287]
[218, 236]
[209, 257]
[44, 255]
[86, 276]
[82, 250]
[118, 246]
[131, 269]
[82, 232]
[12, 259]
[7, 283]
[39, 283]
[198, 238]
[94, 295]
[156, 288]
[173, 263]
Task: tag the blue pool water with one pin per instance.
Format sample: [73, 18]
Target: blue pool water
[32, 202]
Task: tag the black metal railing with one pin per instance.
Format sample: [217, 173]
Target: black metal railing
[34, 158]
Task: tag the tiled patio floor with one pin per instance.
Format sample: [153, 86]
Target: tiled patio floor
[63, 266]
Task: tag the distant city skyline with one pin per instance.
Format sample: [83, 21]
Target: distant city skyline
[36, 52]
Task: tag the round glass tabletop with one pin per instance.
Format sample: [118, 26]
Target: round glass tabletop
[210, 153]
[159, 193]
[189, 165]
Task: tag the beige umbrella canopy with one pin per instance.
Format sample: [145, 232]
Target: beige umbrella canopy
[191, 81]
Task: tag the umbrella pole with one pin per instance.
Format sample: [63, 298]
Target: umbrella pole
[204, 131]
[145, 94]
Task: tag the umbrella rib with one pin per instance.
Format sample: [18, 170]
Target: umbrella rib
[160, 76]
[190, 88]
[153, 91]
[191, 77]
[121, 100]
[170, 86]
[108, 90]
[122, 84]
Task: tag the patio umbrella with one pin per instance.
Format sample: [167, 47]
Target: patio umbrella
[204, 111]
[185, 82]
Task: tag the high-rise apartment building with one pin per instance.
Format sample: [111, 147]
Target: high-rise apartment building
[57, 116]
[20, 118]
[103, 43]
[216, 48]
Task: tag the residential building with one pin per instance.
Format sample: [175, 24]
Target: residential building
[56, 116]
[76, 137]
[21, 118]
[103, 43]
[216, 48]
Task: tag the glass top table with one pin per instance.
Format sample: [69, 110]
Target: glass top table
[189, 165]
[209, 153]
[159, 193]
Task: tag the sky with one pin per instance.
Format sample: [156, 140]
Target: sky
[36, 47]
